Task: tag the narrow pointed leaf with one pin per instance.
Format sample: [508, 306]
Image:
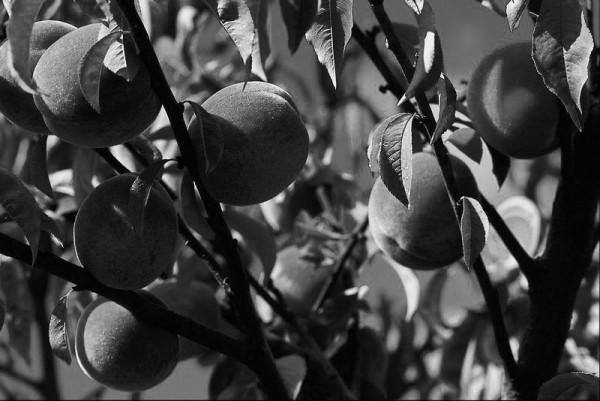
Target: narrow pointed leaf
[97, 9]
[474, 228]
[191, 208]
[23, 15]
[395, 157]
[258, 235]
[121, 57]
[261, 48]
[500, 165]
[292, 369]
[330, 33]
[57, 331]
[492, 5]
[412, 288]
[447, 95]
[210, 143]
[416, 5]
[468, 141]
[236, 18]
[90, 69]
[50, 226]
[514, 10]
[20, 204]
[430, 63]
[38, 169]
[298, 16]
[562, 44]
[146, 148]
[140, 193]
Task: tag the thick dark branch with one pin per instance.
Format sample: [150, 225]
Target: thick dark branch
[259, 359]
[526, 263]
[490, 295]
[148, 312]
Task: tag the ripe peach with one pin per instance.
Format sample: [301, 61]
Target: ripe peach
[16, 104]
[107, 244]
[426, 236]
[117, 350]
[266, 143]
[510, 106]
[127, 108]
[196, 301]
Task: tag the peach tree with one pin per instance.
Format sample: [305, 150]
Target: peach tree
[167, 192]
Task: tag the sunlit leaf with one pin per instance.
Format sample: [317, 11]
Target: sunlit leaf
[416, 5]
[395, 157]
[430, 63]
[474, 228]
[492, 5]
[298, 16]
[562, 44]
[514, 10]
[411, 286]
[58, 332]
[38, 169]
[23, 15]
[140, 193]
[20, 204]
[447, 95]
[329, 34]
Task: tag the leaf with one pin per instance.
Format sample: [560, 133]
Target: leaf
[2, 312]
[23, 15]
[468, 141]
[50, 226]
[292, 369]
[210, 142]
[430, 63]
[97, 9]
[146, 148]
[447, 95]
[38, 169]
[90, 69]
[121, 57]
[262, 47]
[298, 16]
[562, 44]
[395, 157]
[491, 5]
[500, 164]
[236, 18]
[412, 288]
[330, 33]
[58, 332]
[571, 386]
[474, 229]
[22, 207]
[140, 193]
[191, 208]
[19, 306]
[258, 235]
[416, 5]
[514, 10]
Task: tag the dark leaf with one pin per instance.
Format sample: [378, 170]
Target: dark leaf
[468, 141]
[329, 34]
[140, 193]
[210, 143]
[50, 226]
[90, 69]
[191, 209]
[571, 386]
[292, 369]
[258, 235]
[2, 312]
[97, 9]
[447, 96]
[395, 157]
[23, 15]
[562, 44]
[38, 169]
[500, 165]
[474, 228]
[298, 16]
[262, 46]
[146, 148]
[58, 332]
[20, 204]
[514, 10]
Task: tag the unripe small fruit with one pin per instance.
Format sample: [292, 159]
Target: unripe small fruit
[426, 236]
[16, 104]
[196, 301]
[265, 143]
[119, 351]
[109, 247]
[510, 106]
[127, 108]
